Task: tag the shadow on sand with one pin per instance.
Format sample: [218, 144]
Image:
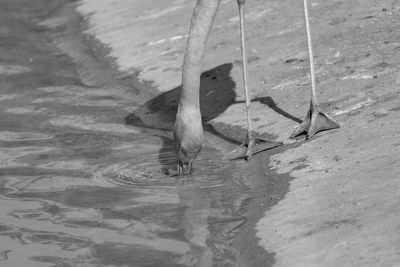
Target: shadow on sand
[216, 95]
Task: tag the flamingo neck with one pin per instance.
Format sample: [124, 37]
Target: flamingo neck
[200, 26]
[190, 96]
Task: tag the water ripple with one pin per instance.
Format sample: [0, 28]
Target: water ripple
[133, 175]
[23, 136]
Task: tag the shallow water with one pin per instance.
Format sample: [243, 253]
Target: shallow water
[86, 208]
[79, 187]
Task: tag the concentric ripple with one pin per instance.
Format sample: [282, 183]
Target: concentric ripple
[133, 175]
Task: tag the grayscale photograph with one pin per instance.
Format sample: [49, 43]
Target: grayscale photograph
[199, 133]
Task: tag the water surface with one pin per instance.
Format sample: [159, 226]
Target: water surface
[79, 186]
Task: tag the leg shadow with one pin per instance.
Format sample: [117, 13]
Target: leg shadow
[268, 101]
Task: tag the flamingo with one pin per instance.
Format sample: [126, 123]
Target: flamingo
[188, 131]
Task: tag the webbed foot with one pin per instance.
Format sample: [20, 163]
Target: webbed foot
[315, 121]
[247, 150]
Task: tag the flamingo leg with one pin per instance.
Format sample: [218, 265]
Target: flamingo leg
[250, 131]
[315, 120]
[252, 145]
